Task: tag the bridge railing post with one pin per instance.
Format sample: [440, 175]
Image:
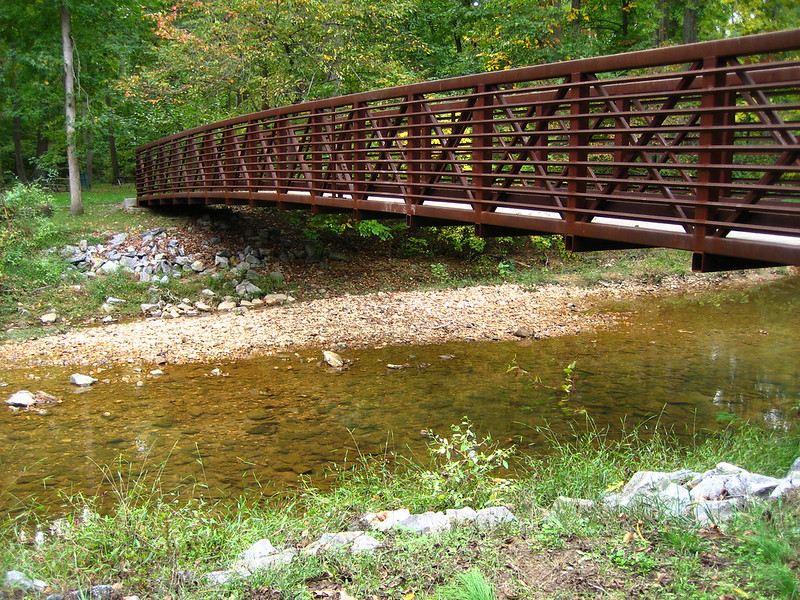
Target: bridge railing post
[482, 153]
[577, 168]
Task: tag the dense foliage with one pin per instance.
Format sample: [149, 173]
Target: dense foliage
[147, 69]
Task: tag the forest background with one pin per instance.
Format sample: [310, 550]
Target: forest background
[148, 68]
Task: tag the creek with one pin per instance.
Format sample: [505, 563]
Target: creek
[268, 424]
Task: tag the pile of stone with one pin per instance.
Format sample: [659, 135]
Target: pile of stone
[186, 307]
[263, 555]
[709, 498]
[158, 257]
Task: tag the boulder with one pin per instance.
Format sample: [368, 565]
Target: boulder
[425, 524]
[21, 398]
[48, 318]
[332, 359]
[81, 380]
[494, 515]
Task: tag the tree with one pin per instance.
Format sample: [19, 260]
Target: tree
[70, 110]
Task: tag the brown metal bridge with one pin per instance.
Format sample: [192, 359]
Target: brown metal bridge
[692, 147]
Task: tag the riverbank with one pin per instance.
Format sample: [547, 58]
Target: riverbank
[159, 543]
[422, 316]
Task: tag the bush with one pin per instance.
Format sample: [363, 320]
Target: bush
[26, 230]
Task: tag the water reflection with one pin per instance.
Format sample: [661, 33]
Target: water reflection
[264, 424]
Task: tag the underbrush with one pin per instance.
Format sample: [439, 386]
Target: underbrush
[157, 543]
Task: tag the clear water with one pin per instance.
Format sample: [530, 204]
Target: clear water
[270, 422]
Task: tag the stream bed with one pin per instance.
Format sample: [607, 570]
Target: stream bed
[268, 424]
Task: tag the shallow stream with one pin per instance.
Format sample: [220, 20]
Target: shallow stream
[265, 424]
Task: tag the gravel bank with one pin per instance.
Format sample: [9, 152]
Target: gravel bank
[481, 313]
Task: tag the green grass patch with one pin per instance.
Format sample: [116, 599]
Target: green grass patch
[155, 542]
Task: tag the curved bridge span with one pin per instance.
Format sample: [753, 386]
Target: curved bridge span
[691, 147]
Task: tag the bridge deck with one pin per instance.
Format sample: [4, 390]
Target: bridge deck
[693, 147]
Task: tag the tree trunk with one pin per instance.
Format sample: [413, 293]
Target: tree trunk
[19, 159]
[112, 150]
[575, 6]
[70, 110]
[42, 143]
[689, 23]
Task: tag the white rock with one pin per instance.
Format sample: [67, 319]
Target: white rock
[226, 305]
[576, 504]
[425, 523]
[48, 318]
[261, 548]
[365, 543]
[383, 521]
[461, 515]
[494, 515]
[246, 567]
[81, 380]
[21, 398]
[716, 512]
[330, 541]
[220, 577]
[332, 359]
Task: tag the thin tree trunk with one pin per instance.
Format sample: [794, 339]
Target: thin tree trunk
[575, 6]
[112, 150]
[689, 23]
[19, 159]
[70, 110]
[42, 144]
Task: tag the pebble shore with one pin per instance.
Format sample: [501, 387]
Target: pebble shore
[481, 313]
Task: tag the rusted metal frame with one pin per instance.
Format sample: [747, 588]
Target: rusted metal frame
[387, 144]
[239, 156]
[228, 159]
[181, 171]
[776, 127]
[299, 166]
[214, 152]
[199, 177]
[680, 136]
[655, 174]
[675, 96]
[269, 162]
[709, 154]
[482, 128]
[627, 89]
[414, 156]
[332, 142]
[360, 115]
[541, 136]
[578, 124]
[448, 148]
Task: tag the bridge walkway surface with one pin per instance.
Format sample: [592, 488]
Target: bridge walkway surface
[692, 147]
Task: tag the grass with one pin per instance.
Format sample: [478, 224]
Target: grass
[156, 543]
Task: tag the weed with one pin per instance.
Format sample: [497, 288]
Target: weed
[440, 272]
[472, 585]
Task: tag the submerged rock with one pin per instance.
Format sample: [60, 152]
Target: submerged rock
[332, 359]
[21, 398]
[81, 380]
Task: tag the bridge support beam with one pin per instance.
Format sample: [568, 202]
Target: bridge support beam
[703, 262]
[576, 243]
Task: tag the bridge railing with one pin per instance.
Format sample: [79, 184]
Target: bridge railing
[692, 147]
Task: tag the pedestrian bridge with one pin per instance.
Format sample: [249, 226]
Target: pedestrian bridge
[692, 147]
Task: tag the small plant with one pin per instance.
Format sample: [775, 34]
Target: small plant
[473, 585]
[505, 268]
[567, 388]
[465, 465]
[440, 272]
